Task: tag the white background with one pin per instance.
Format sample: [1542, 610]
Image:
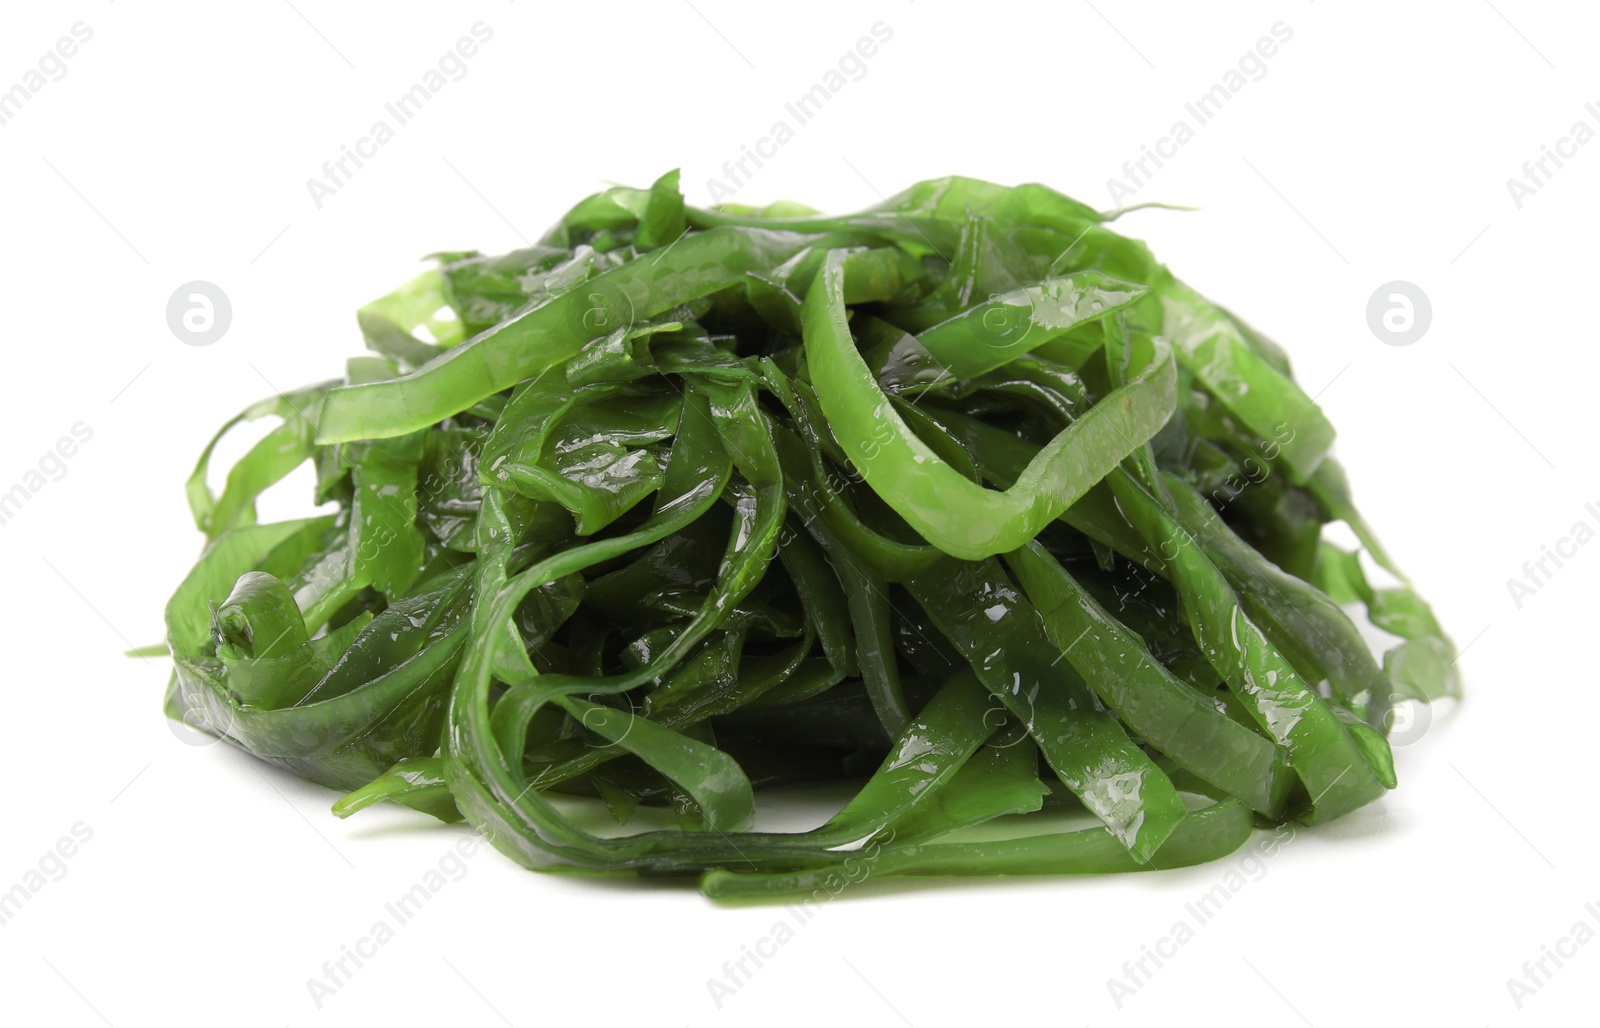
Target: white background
[1377, 147]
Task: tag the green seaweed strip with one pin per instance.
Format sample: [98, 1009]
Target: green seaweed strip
[956, 515]
[1164, 711]
[999, 633]
[1335, 772]
[1208, 834]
